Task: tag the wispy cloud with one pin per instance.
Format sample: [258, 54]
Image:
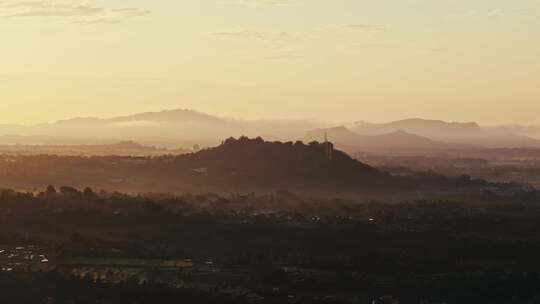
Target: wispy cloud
[495, 12]
[78, 11]
[114, 16]
[279, 55]
[288, 36]
[262, 3]
[275, 36]
[365, 27]
[284, 45]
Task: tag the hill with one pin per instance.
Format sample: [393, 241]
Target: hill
[237, 165]
[187, 124]
[171, 116]
[398, 140]
[451, 132]
[169, 128]
[420, 126]
[255, 162]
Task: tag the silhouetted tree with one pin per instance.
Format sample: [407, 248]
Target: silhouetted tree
[69, 191]
[51, 191]
[89, 193]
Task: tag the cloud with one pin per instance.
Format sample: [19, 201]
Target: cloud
[78, 11]
[365, 27]
[495, 12]
[313, 34]
[262, 3]
[114, 16]
[281, 45]
[283, 55]
[274, 36]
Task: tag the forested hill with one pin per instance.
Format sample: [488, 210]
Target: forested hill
[275, 163]
[237, 165]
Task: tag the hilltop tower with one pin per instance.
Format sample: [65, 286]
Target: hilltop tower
[328, 147]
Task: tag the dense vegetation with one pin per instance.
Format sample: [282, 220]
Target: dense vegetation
[331, 243]
[447, 251]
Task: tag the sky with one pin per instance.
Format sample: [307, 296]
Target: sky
[330, 60]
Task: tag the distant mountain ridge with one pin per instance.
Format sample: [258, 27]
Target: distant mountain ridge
[418, 126]
[451, 132]
[171, 116]
[350, 141]
[174, 128]
[167, 116]
[180, 124]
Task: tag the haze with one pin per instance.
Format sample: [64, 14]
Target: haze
[269, 151]
[340, 60]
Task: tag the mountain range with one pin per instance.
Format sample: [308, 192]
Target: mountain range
[170, 128]
[184, 128]
[470, 133]
[350, 141]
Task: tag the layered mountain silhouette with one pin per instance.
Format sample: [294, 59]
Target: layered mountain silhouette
[183, 127]
[451, 132]
[170, 127]
[417, 125]
[348, 140]
[186, 124]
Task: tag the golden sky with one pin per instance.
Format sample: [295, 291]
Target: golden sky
[332, 60]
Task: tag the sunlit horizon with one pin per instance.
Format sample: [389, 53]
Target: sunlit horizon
[250, 59]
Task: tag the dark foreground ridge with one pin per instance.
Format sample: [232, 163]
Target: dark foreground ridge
[69, 246]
